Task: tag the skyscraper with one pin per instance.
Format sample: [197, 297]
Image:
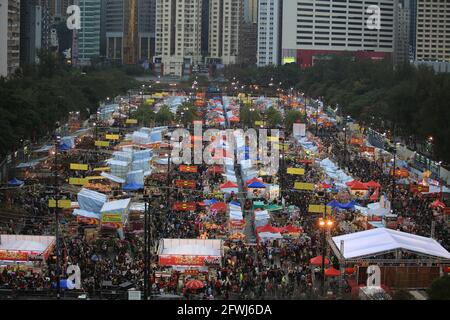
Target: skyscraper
[402, 33]
[130, 30]
[178, 36]
[35, 29]
[9, 36]
[225, 31]
[269, 32]
[250, 11]
[433, 36]
[315, 29]
[86, 41]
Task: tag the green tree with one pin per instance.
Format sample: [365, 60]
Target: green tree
[274, 117]
[440, 289]
[293, 116]
[164, 116]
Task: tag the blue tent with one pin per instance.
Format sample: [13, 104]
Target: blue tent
[210, 202]
[133, 187]
[15, 182]
[64, 147]
[256, 185]
[333, 204]
[235, 203]
[349, 205]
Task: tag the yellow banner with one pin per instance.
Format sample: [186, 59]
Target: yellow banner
[78, 181]
[102, 143]
[79, 166]
[131, 121]
[298, 171]
[95, 178]
[318, 208]
[63, 204]
[112, 137]
[259, 123]
[273, 139]
[102, 169]
[111, 217]
[304, 186]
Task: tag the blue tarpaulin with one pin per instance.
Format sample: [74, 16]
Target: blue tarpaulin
[235, 203]
[64, 147]
[210, 202]
[256, 185]
[133, 187]
[335, 204]
[15, 182]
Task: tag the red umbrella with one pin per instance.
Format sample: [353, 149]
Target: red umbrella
[332, 272]
[446, 269]
[219, 207]
[357, 185]
[317, 261]
[194, 284]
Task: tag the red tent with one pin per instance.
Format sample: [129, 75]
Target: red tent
[373, 184]
[332, 272]
[357, 185]
[291, 229]
[446, 269]
[268, 228]
[438, 204]
[215, 169]
[228, 184]
[317, 261]
[324, 185]
[375, 195]
[234, 119]
[349, 270]
[219, 206]
[253, 180]
[194, 284]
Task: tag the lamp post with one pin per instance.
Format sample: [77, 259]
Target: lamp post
[317, 118]
[56, 195]
[325, 224]
[345, 145]
[394, 173]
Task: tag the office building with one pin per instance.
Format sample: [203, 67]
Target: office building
[269, 32]
[250, 11]
[402, 33]
[178, 36]
[225, 31]
[315, 29]
[433, 30]
[9, 36]
[86, 41]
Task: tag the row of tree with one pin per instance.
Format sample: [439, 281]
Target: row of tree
[412, 101]
[37, 97]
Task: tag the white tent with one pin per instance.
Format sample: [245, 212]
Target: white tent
[116, 207]
[380, 240]
[113, 178]
[90, 200]
[188, 250]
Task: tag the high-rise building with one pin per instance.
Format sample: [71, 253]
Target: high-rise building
[315, 29]
[251, 11]
[9, 36]
[35, 30]
[433, 30]
[58, 8]
[130, 30]
[411, 6]
[86, 41]
[402, 32]
[225, 31]
[269, 32]
[178, 36]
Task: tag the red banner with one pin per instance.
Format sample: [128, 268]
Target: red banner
[188, 260]
[192, 169]
[184, 206]
[400, 173]
[367, 149]
[356, 141]
[13, 255]
[86, 220]
[185, 184]
[305, 161]
[419, 188]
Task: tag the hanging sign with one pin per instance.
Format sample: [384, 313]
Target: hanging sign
[79, 166]
[297, 171]
[304, 186]
[102, 143]
[63, 204]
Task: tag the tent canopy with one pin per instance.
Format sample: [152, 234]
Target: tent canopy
[380, 240]
[256, 185]
[15, 182]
